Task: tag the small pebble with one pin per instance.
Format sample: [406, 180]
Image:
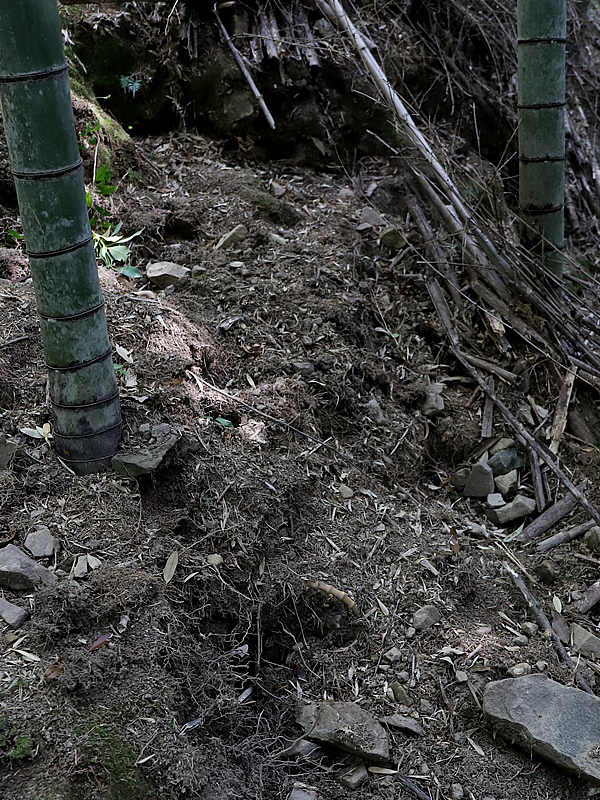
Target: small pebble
[529, 628]
[520, 641]
[518, 670]
[547, 571]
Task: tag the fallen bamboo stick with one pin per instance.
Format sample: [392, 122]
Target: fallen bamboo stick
[564, 536]
[244, 70]
[537, 609]
[444, 315]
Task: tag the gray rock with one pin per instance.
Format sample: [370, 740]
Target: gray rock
[592, 538]
[372, 217]
[393, 655]
[503, 444]
[303, 367]
[346, 726]
[301, 748]
[520, 640]
[19, 572]
[346, 493]
[495, 500]
[505, 461]
[547, 571]
[301, 791]
[518, 670]
[459, 478]
[8, 448]
[558, 723]
[433, 404]
[584, 642]
[166, 273]
[529, 628]
[425, 617]
[403, 723]
[374, 410]
[400, 694]
[480, 483]
[353, 777]
[457, 792]
[478, 531]
[13, 615]
[146, 459]
[521, 506]
[506, 484]
[41, 543]
[233, 237]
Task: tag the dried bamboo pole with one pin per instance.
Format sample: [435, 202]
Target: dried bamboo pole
[537, 609]
[444, 315]
[244, 70]
[334, 11]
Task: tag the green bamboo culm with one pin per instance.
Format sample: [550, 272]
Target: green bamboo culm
[35, 100]
[541, 31]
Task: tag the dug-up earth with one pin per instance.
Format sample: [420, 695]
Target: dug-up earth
[301, 541]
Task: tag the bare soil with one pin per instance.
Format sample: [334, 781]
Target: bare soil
[308, 321]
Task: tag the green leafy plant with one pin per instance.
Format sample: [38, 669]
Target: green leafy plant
[112, 247]
[129, 83]
[13, 237]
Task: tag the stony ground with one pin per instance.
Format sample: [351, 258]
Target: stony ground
[296, 369]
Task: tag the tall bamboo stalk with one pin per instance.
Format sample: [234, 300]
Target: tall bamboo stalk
[38, 121]
[541, 31]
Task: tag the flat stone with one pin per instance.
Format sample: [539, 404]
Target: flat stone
[495, 500]
[303, 367]
[584, 641]
[480, 483]
[146, 459]
[506, 484]
[425, 617]
[13, 615]
[558, 723]
[302, 792]
[41, 543]
[301, 748]
[371, 216]
[233, 237]
[393, 238]
[502, 444]
[346, 493]
[400, 694]
[520, 640]
[529, 628]
[404, 724]
[353, 777]
[505, 461]
[19, 572]
[433, 404]
[166, 273]
[459, 478]
[520, 507]
[518, 670]
[393, 655]
[346, 726]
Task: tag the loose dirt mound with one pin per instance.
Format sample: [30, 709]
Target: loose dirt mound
[309, 498]
[307, 321]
